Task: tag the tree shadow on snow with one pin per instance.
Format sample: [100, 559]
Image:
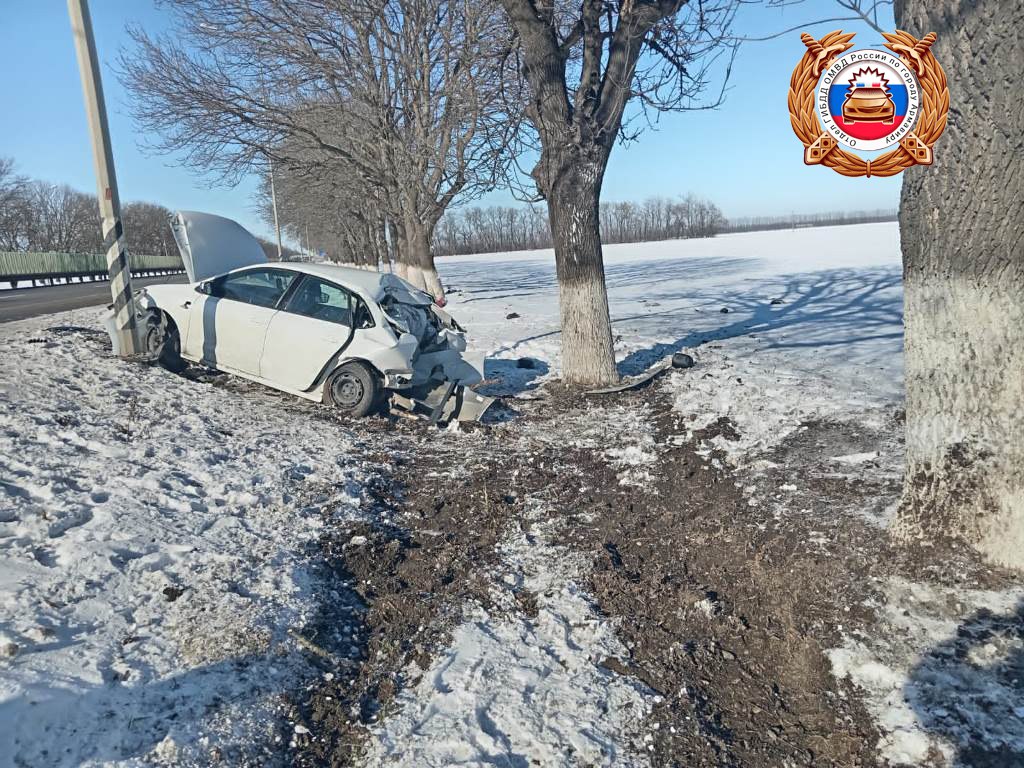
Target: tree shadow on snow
[815, 310]
[121, 721]
[969, 690]
[510, 279]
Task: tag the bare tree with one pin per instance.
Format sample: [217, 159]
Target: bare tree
[62, 219]
[40, 216]
[868, 11]
[147, 229]
[962, 234]
[584, 61]
[401, 93]
[873, 13]
[334, 210]
[15, 209]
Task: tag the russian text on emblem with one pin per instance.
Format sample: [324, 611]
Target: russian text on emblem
[844, 101]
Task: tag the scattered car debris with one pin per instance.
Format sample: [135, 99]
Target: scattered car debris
[678, 360]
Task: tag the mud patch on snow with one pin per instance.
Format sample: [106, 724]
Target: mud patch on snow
[722, 612]
[414, 576]
[528, 685]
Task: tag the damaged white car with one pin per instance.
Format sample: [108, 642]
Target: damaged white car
[339, 335]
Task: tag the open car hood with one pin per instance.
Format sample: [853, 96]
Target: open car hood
[212, 245]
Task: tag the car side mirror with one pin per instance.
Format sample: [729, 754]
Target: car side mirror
[203, 287]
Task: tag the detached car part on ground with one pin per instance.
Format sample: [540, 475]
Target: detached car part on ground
[338, 335]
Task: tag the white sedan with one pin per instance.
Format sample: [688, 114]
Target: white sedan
[338, 335]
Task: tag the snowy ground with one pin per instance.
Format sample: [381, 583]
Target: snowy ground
[786, 327]
[157, 534]
[789, 324]
[155, 537]
[529, 687]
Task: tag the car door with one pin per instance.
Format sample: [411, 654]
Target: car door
[315, 323]
[228, 324]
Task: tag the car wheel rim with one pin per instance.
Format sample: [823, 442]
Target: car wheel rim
[154, 339]
[347, 390]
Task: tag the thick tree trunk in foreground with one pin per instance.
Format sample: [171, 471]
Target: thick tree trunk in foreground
[588, 357]
[962, 229]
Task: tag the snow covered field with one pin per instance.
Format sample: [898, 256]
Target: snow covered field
[158, 534]
[800, 322]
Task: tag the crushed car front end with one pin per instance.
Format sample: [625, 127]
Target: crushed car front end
[427, 368]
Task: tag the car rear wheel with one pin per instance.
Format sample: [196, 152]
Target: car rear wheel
[160, 337]
[354, 389]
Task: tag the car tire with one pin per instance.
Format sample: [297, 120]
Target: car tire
[354, 388]
[161, 338]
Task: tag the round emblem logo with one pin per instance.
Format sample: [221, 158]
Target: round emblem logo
[868, 100]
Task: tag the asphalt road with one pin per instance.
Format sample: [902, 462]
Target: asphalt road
[21, 303]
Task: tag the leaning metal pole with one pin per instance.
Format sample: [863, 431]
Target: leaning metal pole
[277, 223]
[106, 180]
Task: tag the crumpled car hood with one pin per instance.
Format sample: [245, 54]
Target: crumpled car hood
[212, 245]
[401, 291]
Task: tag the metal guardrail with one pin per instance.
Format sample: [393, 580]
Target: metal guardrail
[23, 266]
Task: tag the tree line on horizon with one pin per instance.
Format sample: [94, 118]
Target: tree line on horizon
[516, 228]
[498, 229]
[38, 216]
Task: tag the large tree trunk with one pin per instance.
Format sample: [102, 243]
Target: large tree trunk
[401, 265]
[413, 252]
[421, 270]
[573, 197]
[431, 280]
[962, 228]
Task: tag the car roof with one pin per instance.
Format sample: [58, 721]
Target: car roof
[363, 280]
[370, 284]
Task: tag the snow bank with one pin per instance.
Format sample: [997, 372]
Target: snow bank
[155, 543]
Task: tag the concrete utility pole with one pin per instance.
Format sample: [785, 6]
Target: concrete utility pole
[106, 180]
[273, 200]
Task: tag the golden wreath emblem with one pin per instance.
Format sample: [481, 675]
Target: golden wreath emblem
[868, 100]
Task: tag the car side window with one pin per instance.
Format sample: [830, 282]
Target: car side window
[262, 287]
[321, 300]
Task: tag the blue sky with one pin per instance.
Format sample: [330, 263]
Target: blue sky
[743, 155]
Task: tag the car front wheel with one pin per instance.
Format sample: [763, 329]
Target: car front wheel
[161, 339]
[354, 389]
